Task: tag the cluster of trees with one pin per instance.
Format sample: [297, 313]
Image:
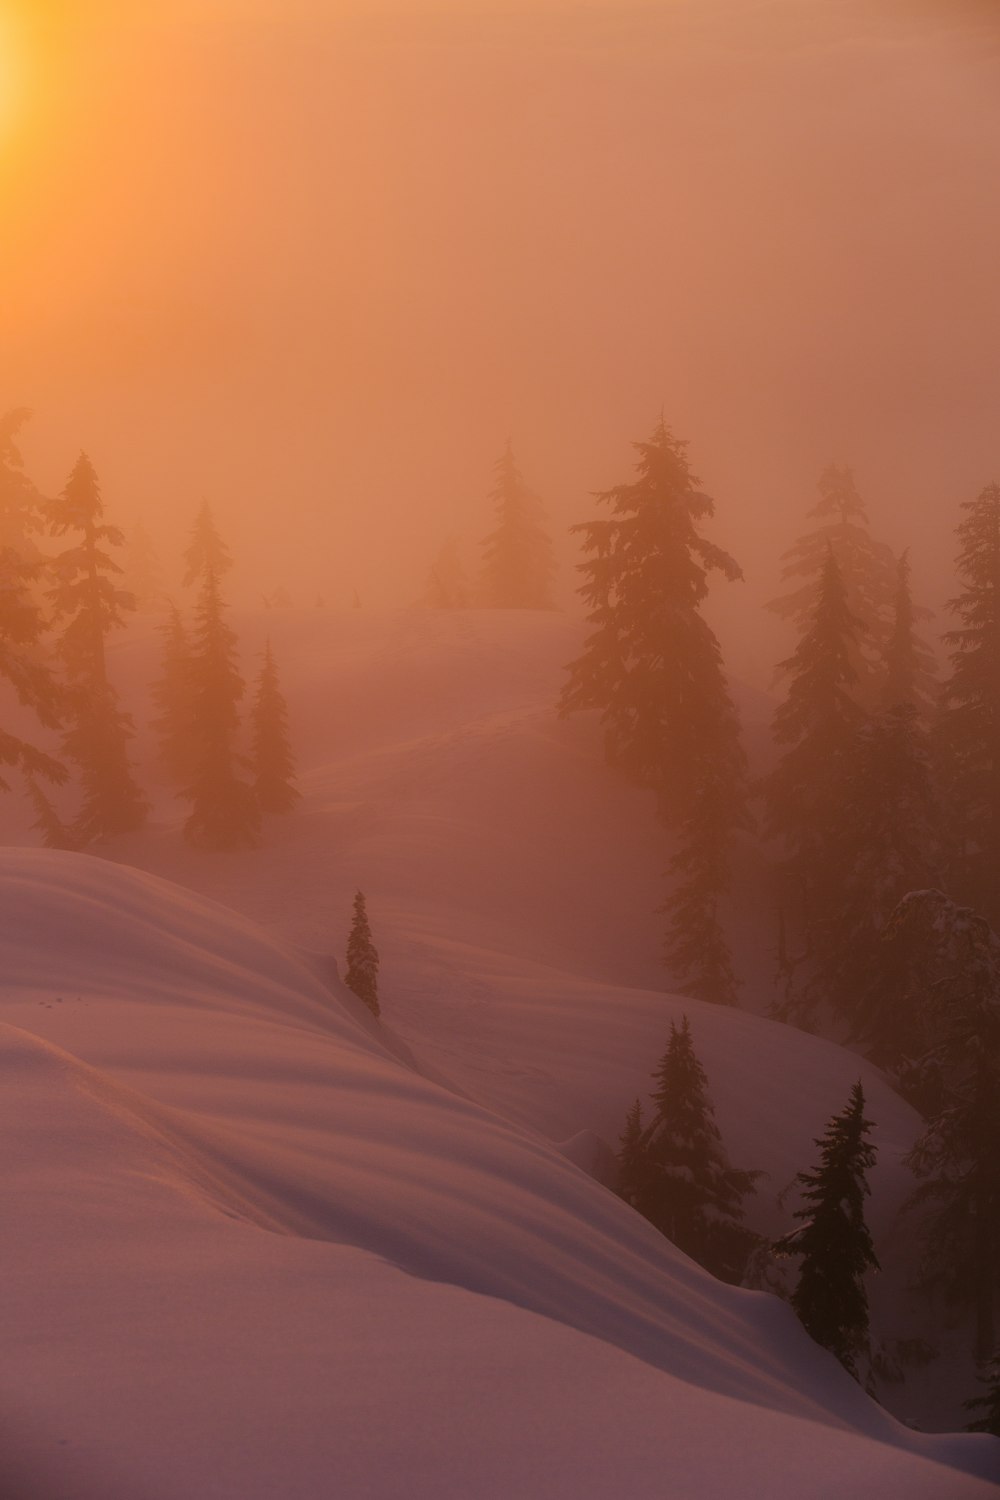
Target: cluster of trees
[676, 1172]
[518, 564]
[885, 784]
[60, 601]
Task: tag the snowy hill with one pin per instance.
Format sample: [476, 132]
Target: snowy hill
[255, 1246]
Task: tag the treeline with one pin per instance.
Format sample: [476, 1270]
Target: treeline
[60, 601]
[885, 794]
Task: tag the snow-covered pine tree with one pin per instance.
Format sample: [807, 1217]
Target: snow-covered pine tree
[833, 1239]
[224, 812]
[970, 723]
[817, 726]
[518, 564]
[693, 1194]
[173, 697]
[866, 567]
[362, 958]
[958, 1082]
[447, 582]
[987, 1404]
[652, 666]
[633, 1160]
[271, 751]
[206, 552]
[88, 605]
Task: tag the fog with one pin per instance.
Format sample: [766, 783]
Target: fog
[317, 262]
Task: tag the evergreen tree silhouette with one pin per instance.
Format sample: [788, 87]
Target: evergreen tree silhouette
[910, 668]
[88, 605]
[988, 1403]
[633, 1160]
[518, 564]
[271, 755]
[866, 567]
[206, 552]
[143, 571]
[362, 958]
[833, 1239]
[694, 1195]
[970, 727]
[173, 697]
[224, 812]
[21, 505]
[957, 1084]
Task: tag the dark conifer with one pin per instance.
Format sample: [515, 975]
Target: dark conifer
[173, 697]
[988, 1403]
[88, 605]
[518, 565]
[867, 571]
[362, 958]
[833, 1239]
[910, 668]
[224, 811]
[970, 727]
[633, 1160]
[694, 1195]
[271, 752]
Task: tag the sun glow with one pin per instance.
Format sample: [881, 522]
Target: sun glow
[11, 75]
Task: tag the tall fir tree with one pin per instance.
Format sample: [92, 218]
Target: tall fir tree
[362, 958]
[173, 698]
[143, 570]
[88, 605]
[957, 1084]
[970, 723]
[224, 812]
[206, 552]
[693, 1194]
[833, 1239]
[633, 1159]
[518, 562]
[817, 727]
[271, 752]
[867, 570]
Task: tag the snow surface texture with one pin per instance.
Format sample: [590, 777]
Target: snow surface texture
[254, 1245]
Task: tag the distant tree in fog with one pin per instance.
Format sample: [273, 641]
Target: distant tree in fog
[173, 697]
[867, 569]
[833, 1239]
[88, 605]
[518, 563]
[22, 627]
[447, 582]
[143, 571]
[969, 731]
[633, 1159]
[271, 753]
[362, 958]
[224, 811]
[653, 668]
[206, 552]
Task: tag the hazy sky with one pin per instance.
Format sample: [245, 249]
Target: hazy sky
[317, 261]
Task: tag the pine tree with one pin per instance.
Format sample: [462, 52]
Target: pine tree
[271, 756]
[652, 665]
[23, 664]
[21, 505]
[518, 564]
[143, 571]
[910, 668]
[958, 1083]
[224, 812]
[833, 1240]
[694, 1195]
[206, 552]
[866, 568]
[970, 728]
[447, 583]
[173, 696]
[633, 1159]
[817, 725]
[988, 1403]
[88, 605]
[362, 958]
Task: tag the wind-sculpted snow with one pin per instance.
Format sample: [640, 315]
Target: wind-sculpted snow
[248, 1252]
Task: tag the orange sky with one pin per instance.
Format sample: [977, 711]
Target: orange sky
[317, 261]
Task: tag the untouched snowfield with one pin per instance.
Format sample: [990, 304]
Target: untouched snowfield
[254, 1245]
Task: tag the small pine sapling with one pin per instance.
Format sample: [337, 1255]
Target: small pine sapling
[362, 958]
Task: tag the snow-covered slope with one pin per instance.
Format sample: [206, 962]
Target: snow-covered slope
[258, 1246]
[247, 1253]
